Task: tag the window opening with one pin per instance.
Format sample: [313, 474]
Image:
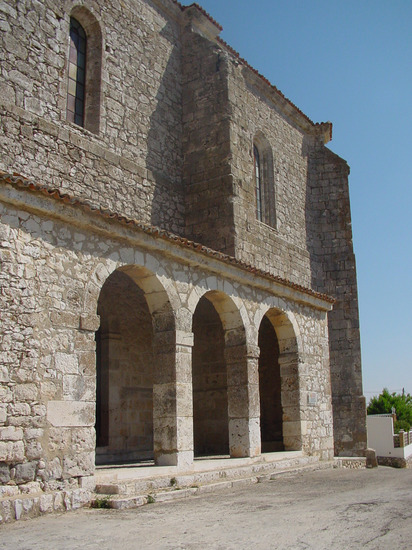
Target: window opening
[258, 184]
[77, 73]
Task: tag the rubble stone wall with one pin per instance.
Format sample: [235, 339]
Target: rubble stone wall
[206, 144]
[133, 164]
[311, 237]
[54, 268]
[281, 248]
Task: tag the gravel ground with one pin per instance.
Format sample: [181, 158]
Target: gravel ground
[339, 509]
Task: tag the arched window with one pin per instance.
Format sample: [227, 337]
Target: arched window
[264, 181]
[84, 70]
[77, 73]
[258, 183]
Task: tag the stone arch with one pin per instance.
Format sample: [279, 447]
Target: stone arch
[285, 347]
[124, 369]
[157, 297]
[280, 305]
[93, 66]
[217, 286]
[222, 390]
[144, 272]
[143, 360]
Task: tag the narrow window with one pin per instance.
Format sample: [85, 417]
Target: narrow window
[77, 73]
[264, 183]
[258, 184]
[84, 70]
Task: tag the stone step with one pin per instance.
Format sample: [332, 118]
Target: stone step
[132, 493]
[15, 505]
[131, 481]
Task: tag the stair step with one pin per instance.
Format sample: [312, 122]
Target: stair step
[144, 485]
[120, 496]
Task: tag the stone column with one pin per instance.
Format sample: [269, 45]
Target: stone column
[71, 416]
[243, 399]
[172, 399]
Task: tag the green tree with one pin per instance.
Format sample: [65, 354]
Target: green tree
[401, 402]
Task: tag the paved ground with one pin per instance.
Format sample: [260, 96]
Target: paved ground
[339, 509]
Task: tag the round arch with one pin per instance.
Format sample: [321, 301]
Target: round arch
[279, 382]
[135, 365]
[223, 396]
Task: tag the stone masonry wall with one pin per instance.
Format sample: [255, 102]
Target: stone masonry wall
[281, 249]
[311, 241]
[133, 165]
[173, 147]
[334, 272]
[206, 144]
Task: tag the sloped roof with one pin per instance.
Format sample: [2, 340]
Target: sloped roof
[19, 181]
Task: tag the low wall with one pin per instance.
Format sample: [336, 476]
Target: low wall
[391, 449]
[395, 462]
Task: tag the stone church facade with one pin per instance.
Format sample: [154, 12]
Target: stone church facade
[178, 276]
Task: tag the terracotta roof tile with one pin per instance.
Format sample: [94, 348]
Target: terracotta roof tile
[19, 181]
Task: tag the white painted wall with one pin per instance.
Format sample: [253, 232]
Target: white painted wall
[380, 437]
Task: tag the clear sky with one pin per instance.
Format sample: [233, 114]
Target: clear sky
[350, 62]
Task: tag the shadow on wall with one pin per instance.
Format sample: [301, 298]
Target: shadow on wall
[164, 142]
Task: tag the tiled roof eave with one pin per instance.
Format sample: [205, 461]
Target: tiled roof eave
[19, 181]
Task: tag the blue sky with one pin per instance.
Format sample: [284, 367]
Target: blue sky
[350, 62]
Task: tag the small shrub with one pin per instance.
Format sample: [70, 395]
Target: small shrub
[386, 402]
[101, 502]
[150, 499]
